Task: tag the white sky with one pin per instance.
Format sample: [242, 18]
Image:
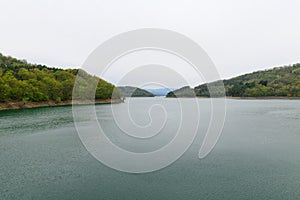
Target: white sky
[239, 35]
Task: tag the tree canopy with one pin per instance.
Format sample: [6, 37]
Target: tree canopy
[22, 81]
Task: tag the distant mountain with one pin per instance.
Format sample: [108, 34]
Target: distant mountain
[159, 91]
[182, 92]
[128, 91]
[277, 82]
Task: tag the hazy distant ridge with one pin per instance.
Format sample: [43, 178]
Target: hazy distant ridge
[159, 91]
[129, 91]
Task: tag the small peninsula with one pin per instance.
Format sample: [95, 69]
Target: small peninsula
[129, 91]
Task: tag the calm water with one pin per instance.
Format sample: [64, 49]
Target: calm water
[257, 156]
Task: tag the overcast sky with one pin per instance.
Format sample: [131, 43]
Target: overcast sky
[239, 35]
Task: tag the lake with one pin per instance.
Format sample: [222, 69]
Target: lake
[256, 157]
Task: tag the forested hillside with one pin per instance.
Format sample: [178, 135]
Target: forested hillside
[279, 81]
[21, 81]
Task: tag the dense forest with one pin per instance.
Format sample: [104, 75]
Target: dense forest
[280, 81]
[21, 81]
[129, 91]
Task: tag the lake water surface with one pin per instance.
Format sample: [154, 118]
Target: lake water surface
[256, 157]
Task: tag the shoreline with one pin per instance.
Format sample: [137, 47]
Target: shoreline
[17, 105]
[246, 98]
[266, 98]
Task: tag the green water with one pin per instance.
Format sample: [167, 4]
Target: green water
[257, 157]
